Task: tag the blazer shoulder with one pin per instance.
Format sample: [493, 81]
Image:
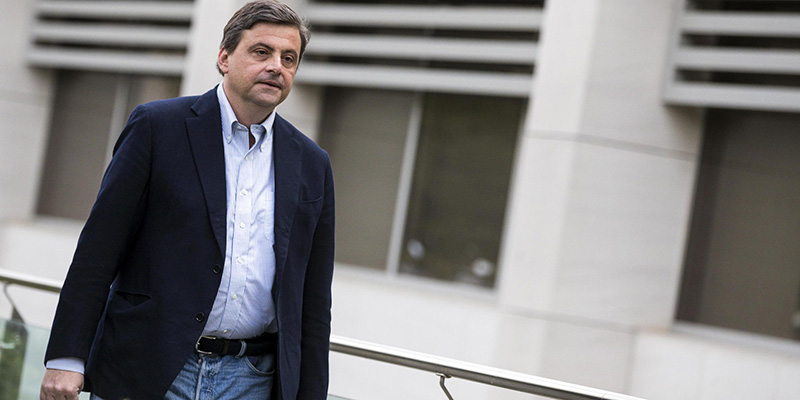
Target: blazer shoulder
[309, 146]
[170, 107]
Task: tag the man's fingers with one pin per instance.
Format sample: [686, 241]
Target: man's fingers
[57, 392]
[61, 385]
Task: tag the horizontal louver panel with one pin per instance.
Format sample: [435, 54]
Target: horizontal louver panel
[457, 48]
[739, 23]
[146, 37]
[111, 35]
[108, 60]
[735, 96]
[739, 60]
[180, 11]
[735, 58]
[470, 50]
[415, 79]
[436, 17]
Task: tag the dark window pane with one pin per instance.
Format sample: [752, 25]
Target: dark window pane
[76, 150]
[460, 186]
[742, 268]
[364, 131]
[82, 129]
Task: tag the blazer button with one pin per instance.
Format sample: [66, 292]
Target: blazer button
[216, 268]
[200, 317]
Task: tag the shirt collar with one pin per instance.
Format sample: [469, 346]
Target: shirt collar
[229, 117]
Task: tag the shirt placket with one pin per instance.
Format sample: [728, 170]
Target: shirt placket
[242, 224]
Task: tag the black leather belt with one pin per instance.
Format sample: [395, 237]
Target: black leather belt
[210, 345]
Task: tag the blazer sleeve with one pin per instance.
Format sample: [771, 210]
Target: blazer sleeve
[316, 320]
[109, 230]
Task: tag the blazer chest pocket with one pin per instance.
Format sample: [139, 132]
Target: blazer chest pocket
[311, 207]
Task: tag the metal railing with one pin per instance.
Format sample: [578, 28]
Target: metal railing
[444, 368]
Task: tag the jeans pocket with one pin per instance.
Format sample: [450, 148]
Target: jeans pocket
[262, 365]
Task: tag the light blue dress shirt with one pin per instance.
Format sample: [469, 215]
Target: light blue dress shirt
[243, 307]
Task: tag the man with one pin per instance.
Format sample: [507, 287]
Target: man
[205, 266]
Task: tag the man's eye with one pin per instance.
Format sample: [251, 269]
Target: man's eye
[288, 60]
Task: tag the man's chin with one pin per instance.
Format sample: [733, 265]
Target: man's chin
[267, 102]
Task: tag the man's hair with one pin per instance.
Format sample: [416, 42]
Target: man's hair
[254, 12]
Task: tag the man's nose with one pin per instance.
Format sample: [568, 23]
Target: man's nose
[273, 64]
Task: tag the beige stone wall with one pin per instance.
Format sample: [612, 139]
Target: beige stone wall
[605, 175]
[25, 96]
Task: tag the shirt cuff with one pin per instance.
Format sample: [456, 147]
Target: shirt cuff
[73, 364]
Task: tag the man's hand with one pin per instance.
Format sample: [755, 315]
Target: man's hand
[60, 385]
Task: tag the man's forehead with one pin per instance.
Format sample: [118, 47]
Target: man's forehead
[272, 29]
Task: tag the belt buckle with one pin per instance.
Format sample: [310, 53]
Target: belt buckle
[197, 344]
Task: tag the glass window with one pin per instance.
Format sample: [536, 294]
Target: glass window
[89, 112]
[421, 180]
[742, 267]
[460, 186]
[76, 150]
[364, 132]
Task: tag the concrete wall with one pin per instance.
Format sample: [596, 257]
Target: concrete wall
[714, 365]
[24, 115]
[604, 180]
[25, 98]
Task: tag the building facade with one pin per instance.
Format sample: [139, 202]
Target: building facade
[596, 191]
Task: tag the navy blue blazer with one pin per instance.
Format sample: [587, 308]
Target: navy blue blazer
[147, 265]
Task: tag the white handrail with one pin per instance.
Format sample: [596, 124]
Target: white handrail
[31, 281]
[472, 372]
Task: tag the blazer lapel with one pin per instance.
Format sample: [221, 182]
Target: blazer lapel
[205, 138]
[286, 153]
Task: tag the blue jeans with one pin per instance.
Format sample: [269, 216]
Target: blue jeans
[222, 378]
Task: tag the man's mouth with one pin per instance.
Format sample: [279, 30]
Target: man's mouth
[273, 84]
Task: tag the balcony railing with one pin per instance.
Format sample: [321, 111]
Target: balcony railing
[22, 352]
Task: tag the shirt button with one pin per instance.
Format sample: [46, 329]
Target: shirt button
[244, 192]
[242, 225]
[200, 317]
[229, 137]
[225, 331]
[247, 158]
[216, 268]
[262, 146]
[239, 260]
[234, 297]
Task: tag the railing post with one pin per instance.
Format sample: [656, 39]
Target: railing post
[12, 351]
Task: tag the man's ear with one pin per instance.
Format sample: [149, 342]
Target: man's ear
[222, 60]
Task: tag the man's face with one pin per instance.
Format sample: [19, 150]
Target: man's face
[259, 72]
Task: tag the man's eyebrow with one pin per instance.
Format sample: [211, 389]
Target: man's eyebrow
[260, 44]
